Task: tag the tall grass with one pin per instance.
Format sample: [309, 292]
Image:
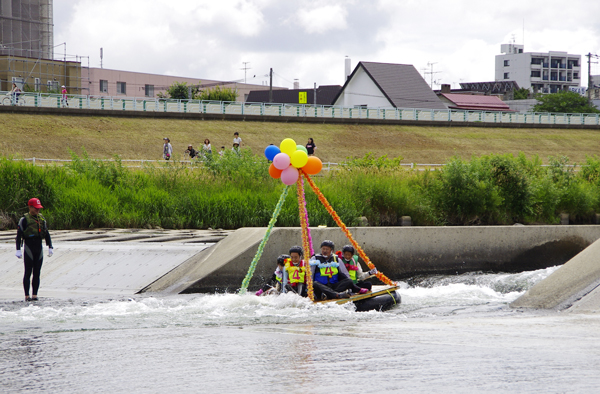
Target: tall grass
[236, 191]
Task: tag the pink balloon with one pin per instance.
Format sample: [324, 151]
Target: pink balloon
[289, 176]
[281, 161]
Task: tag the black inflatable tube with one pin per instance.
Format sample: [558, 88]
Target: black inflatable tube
[379, 303]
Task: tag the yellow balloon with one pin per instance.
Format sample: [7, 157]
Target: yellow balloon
[288, 146]
[299, 159]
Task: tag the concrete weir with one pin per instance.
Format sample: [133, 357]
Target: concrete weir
[126, 262]
[399, 252]
[575, 285]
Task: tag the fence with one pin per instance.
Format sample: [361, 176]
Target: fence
[46, 100]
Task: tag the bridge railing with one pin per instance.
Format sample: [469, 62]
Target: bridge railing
[122, 103]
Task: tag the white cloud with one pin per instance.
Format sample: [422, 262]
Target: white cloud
[308, 40]
[322, 19]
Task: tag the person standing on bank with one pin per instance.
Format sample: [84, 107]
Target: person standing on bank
[64, 101]
[167, 149]
[310, 147]
[31, 231]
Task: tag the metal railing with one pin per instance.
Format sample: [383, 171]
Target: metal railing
[119, 103]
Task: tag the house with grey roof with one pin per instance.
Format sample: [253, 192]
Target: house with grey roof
[387, 85]
[324, 95]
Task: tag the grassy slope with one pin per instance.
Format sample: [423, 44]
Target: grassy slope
[50, 137]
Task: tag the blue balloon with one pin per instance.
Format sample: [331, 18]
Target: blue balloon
[271, 151]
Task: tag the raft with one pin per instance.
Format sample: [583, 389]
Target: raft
[381, 300]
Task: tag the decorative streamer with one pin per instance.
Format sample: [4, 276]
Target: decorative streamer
[310, 242]
[259, 252]
[339, 222]
[305, 237]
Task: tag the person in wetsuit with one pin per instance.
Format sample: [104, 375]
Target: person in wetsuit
[31, 230]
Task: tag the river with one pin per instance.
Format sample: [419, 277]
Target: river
[450, 334]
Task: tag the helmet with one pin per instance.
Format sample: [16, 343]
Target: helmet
[297, 249]
[328, 243]
[348, 248]
[281, 259]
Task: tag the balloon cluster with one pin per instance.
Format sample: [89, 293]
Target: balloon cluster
[288, 158]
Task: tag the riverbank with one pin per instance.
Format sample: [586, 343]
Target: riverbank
[233, 192]
[51, 136]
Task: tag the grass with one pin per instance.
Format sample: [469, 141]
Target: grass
[46, 136]
[235, 192]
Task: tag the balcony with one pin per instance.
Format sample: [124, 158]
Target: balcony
[545, 65]
[563, 65]
[562, 78]
[545, 78]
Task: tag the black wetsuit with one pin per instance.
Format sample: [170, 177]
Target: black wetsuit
[33, 254]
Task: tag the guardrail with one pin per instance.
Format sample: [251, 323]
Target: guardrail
[46, 100]
[327, 166]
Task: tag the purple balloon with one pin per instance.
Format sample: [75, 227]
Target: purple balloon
[289, 176]
[281, 161]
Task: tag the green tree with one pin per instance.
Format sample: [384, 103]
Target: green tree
[564, 102]
[521, 94]
[217, 94]
[179, 91]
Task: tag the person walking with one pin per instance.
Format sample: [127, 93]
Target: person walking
[167, 148]
[15, 92]
[32, 229]
[63, 100]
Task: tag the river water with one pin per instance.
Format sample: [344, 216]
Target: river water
[450, 334]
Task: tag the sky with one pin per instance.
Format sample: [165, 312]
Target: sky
[309, 40]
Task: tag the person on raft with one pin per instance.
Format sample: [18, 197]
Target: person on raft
[274, 283]
[294, 275]
[330, 278]
[355, 271]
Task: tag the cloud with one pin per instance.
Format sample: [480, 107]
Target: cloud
[322, 19]
[309, 40]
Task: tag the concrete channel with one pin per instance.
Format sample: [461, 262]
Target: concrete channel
[126, 262]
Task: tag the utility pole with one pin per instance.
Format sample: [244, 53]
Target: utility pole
[271, 85]
[590, 85]
[315, 95]
[245, 68]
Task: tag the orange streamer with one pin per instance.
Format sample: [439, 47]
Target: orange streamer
[305, 242]
[339, 222]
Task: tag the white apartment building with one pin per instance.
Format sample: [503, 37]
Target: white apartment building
[540, 72]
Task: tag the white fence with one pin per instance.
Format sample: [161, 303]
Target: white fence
[45, 100]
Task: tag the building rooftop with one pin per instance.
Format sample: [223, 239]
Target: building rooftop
[475, 102]
[325, 95]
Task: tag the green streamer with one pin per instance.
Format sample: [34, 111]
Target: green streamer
[259, 252]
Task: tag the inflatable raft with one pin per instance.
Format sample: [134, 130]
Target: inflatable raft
[380, 300]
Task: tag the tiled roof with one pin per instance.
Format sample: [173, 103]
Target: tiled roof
[325, 95]
[475, 102]
[401, 84]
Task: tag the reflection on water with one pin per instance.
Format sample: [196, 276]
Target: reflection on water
[449, 332]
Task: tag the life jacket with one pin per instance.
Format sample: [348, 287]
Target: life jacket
[295, 272]
[352, 267]
[34, 227]
[278, 275]
[326, 272]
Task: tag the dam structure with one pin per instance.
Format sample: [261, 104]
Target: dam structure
[120, 262]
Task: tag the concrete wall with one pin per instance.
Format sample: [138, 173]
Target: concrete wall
[399, 252]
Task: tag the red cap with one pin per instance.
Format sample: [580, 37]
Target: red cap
[35, 202]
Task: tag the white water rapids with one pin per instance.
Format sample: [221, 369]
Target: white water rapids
[451, 333]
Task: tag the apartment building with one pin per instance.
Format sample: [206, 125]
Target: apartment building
[541, 72]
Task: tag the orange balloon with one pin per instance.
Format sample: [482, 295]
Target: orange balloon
[274, 172]
[313, 165]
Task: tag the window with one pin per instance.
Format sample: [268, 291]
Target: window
[506, 63]
[506, 75]
[52, 86]
[537, 60]
[535, 74]
[149, 89]
[121, 88]
[38, 84]
[103, 86]
[575, 75]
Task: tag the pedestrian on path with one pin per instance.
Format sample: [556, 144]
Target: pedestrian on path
[32, 229]
[64, 97]
[167, 148]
